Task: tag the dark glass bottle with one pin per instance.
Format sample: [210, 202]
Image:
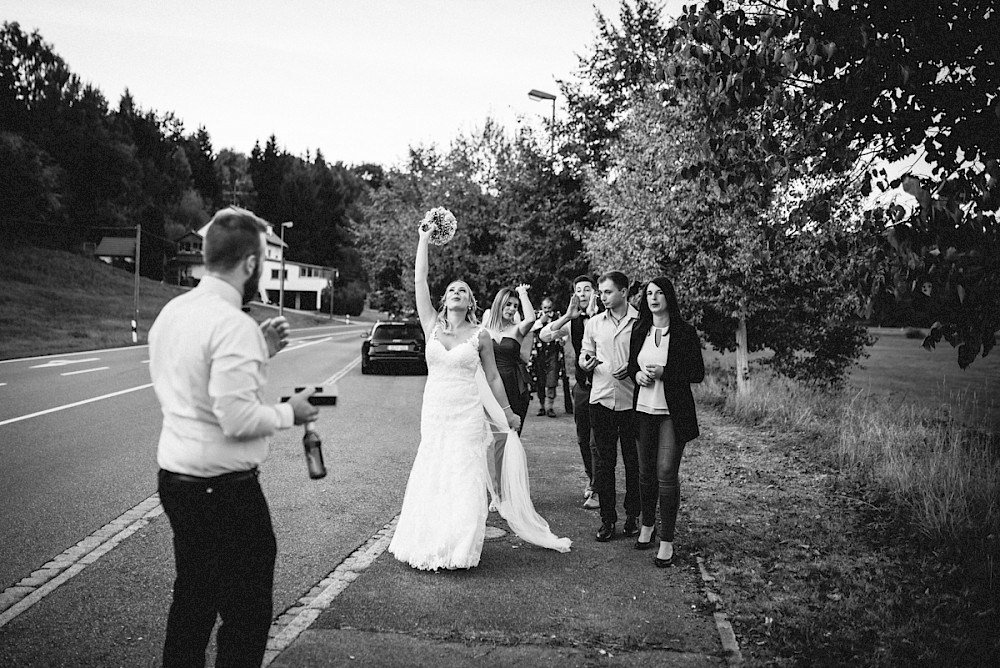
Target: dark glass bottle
[314, 453]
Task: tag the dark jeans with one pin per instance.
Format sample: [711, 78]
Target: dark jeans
[224, 549]
[659, 463]
[584, 434]
[611, 427]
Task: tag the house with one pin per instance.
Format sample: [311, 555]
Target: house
[304, 283]
[116, 251]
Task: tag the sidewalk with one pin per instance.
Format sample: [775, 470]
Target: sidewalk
[602, 604]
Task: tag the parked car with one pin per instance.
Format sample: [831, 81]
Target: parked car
[394, 344]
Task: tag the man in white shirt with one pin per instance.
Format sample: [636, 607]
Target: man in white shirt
[604, 351]
[208, 361]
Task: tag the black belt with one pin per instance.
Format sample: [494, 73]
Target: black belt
[235, 476]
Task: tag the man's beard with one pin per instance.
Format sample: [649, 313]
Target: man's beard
[251, 289]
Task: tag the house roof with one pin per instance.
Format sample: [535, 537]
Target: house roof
[272, 238]
[116, 247]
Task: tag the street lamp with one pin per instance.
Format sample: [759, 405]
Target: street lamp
[281, 279]
[538, 96]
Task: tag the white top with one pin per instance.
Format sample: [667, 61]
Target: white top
[651, 400]
[208, 361]
[608, 340]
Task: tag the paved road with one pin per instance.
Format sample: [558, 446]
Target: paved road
[77, 478]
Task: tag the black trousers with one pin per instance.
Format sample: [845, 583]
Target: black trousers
[659, 464]
[224, 549]
[612, 427]
[584, 434]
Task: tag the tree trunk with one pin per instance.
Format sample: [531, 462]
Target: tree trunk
[742, 357]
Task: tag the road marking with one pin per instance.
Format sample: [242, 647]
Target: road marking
[82, 352]
[73, 373]
[287, 627]
[74, 404]
[54, 363]
[304, 345]
[2, 384]
[343, 372]
[42, 582]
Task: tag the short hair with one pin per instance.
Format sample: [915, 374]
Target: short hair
[618, 278]
[233, 233]
[583, 278]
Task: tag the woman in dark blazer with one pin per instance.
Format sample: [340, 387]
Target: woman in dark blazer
[664, 359]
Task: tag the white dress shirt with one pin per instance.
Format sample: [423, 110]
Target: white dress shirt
[208, 361]
[608, 341]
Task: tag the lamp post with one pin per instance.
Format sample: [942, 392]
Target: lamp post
[281, 279]
[538, 96]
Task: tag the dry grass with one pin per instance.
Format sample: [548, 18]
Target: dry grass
[847, 529]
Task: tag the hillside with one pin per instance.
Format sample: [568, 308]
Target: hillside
[57, 302]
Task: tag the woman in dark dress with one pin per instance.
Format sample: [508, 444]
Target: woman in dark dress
[508, 328]
[664, 359]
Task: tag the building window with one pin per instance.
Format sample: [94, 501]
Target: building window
[276, 274]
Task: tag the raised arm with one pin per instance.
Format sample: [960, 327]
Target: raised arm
[425, 307]
[551, 330]
[527, 309]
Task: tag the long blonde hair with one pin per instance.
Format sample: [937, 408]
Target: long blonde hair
[470, 316]
[495, 322]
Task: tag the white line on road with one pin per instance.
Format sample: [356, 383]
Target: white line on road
[287, 627]
[53, 363]
[73, 373]
[42, 582]
[74, 404]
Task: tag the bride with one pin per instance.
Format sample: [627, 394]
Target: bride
[442, 523]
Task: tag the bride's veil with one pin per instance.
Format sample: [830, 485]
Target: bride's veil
[514, 500]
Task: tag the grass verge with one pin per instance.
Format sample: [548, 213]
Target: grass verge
[834, 543]
[58, 302]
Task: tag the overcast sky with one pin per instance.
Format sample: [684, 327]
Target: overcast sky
[362, 80]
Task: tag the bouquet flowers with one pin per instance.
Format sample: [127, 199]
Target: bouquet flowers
[442, 224]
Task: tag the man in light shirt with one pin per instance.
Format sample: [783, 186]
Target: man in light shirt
[208, 361]
[604, 351]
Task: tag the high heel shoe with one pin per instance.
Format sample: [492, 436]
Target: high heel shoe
[645, 545]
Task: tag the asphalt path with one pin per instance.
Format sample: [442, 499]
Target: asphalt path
[77, 450]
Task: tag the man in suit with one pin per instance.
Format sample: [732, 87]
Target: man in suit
[582, 305]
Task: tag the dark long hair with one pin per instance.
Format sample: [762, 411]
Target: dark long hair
[645, 315]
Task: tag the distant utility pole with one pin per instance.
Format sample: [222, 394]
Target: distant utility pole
[138, 250]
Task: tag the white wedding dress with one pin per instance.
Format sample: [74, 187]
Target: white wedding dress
[442, 523]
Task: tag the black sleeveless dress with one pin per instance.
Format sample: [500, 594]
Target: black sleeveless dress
[514, 374]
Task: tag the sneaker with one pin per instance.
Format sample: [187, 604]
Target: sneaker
[592, 503]
[551, 412]
[541, 412]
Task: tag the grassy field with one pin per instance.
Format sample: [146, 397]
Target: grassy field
[56, 302]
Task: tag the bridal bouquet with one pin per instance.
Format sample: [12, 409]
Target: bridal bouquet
[442, 224]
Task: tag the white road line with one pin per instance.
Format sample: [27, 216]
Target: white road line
[74, 404]
[287, 627]
[53, 363]
[73, 373]
[343, 372]
[2, 384]
[81, 352]
[42, 582]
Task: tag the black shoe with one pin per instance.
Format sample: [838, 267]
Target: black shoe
[551, 412]
[640, 545]
[541, 412]
[606, 532]
[664, 563]
[631, 527]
